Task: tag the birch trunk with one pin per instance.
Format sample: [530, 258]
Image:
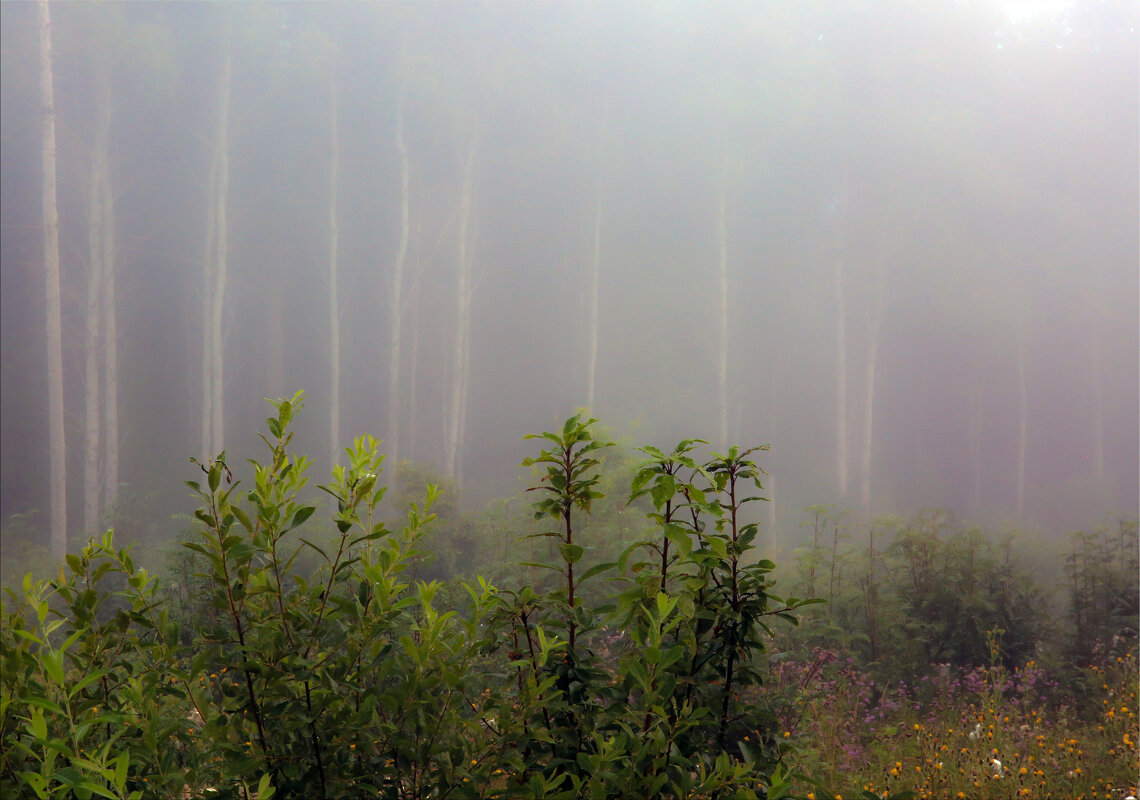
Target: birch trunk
[92, 394]
[110, 346]
[96, 277]
[722, 355]
[396, 298]
[1098, 402]
[869, 421]
[976, 445]
[213, 365]
[460, 356]
[221, 207]
[874, 326]
[334, 269]
[592, 279]
[1023, 426]
[413, 360]
[57, 445]
[207, 296]
[841, 457]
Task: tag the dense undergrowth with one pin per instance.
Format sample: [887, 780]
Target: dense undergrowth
[285, 656]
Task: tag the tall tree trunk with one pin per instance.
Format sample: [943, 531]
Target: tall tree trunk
[592, 280]
[413, 356]
[722, 353]
[774, 420]
[208, 267]
[217, 262]
[110, 346]
[841, 457]
[874, 326]
[976, 444]
[461, 349]
[396, 297]
[1098, 402]
[334, 268]
[96, 276]
[217, 365]
[1023, 426]
[57, 445]
[93, 396]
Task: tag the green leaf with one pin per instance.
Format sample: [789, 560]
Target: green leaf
[597, 569]
[121, 765]
[242, 517]
[53, 663]
[299, 518]
[571, 553]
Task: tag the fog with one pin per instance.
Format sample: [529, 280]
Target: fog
[896, 241]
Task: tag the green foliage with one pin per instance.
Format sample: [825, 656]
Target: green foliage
[314, 665]
[923, 591]
[1104, 598]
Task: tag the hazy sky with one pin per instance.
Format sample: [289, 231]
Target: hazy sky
[898, 241]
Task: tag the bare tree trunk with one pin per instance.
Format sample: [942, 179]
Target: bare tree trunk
[57, 445]
[396, 297]
[841, 457]
[1098, 402]
[976, 444]
[208, 267]
[93, 417]
[110, 347]
[221, 208]
[592, 280]
[96, 276]
[874, 326]
[1023, 426]
[334, 268]
[214, 294]
[413, 356]
[774, 419]
[461, 350]
[722, 355]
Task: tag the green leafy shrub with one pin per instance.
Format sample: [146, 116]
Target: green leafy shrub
[315, 664]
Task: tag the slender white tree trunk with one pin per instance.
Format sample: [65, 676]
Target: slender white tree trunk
[221, 209]
[110, 348]
[722, 354]
[841, 457]
[208, 267]
[214, 285]
[592, 279]
[93, 417]
[868, 421]
[460, 357]
[334, 269]
[874, 326]
[842, 435]
[396, 298]
[1023, 419]
[96, 277]
[976, 444]
[1098, 402]
[57, 445]
[413, 361]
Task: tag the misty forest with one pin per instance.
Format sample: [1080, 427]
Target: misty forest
[556, 400]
